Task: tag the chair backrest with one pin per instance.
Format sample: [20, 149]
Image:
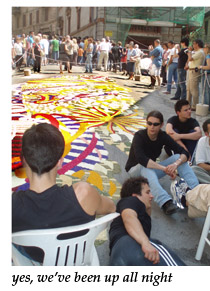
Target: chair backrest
[204, 236]
[62, 251]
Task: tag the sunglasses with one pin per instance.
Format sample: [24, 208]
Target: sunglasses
[155, 123]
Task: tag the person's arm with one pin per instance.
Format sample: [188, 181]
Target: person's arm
[171, 169]
[171, 132]
[91, 201]
[204, 166]
[207, 67]
[171, 58]
[200, 156]
[178, 136]
[135, 230]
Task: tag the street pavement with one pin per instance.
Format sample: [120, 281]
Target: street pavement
[177, 231]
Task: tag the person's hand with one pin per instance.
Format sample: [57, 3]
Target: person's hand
[151, 253]
[171, 170]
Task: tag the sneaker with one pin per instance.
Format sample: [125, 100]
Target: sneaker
[177, 194]
[169, 207]
[183, 186]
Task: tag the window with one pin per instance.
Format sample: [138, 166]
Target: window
[46, 14]
[30, 19]
[24, 20]
[78, 17]
[37, 16]
[91, 14]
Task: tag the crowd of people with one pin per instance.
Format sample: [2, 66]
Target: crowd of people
[179, 65]
[188, 152]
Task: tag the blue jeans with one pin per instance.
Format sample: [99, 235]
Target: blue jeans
[181, 86]
[127, 252]
[88, 63]
[55, 55]
[30, 60]
[153, 176]
[172, 72]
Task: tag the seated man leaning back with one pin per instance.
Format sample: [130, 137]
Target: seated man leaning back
[146, 148]
[130, 241]
[45, 204]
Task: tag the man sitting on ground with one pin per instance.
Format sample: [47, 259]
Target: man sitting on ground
[184, 129]
[146, 147]
[202, 156]
[130, 241]
[45, 204]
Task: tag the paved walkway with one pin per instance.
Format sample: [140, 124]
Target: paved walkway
[178, 231]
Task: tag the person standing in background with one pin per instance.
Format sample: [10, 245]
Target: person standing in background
[206, 75]
[181, 72]
[195, 60]
[75, 51]
[163, 73]
[172, 66]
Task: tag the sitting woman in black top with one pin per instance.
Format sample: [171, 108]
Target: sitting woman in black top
[130, 242]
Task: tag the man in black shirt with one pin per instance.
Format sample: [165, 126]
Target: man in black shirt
[184, 129]
[46, 205]
[146, 148]
[130, 241]
[181, 72]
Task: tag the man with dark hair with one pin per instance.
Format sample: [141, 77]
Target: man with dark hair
[195, 60]
[184, 129]
[181, 72]
[45, 204]
[202, 157]
[130, 241]
[146, 148]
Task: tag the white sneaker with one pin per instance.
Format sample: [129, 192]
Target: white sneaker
[177, 194]
[183, 186]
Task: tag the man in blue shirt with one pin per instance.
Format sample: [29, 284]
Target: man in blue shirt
[156, 55]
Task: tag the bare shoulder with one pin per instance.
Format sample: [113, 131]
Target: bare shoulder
[87, 196]
[84, 189]
[91, 201]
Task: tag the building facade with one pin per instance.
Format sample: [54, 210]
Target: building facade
[141, 24]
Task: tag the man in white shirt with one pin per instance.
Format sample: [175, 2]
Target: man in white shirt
[138, 57]
[202, 168]
[45, 45]
[18, 52]
[104, 49]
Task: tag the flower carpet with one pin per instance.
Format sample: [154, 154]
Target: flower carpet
[92, 112]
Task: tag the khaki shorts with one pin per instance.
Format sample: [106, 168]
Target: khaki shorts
[198, 200]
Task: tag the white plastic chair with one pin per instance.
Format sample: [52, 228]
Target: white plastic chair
[77, 251]
[204, 237]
